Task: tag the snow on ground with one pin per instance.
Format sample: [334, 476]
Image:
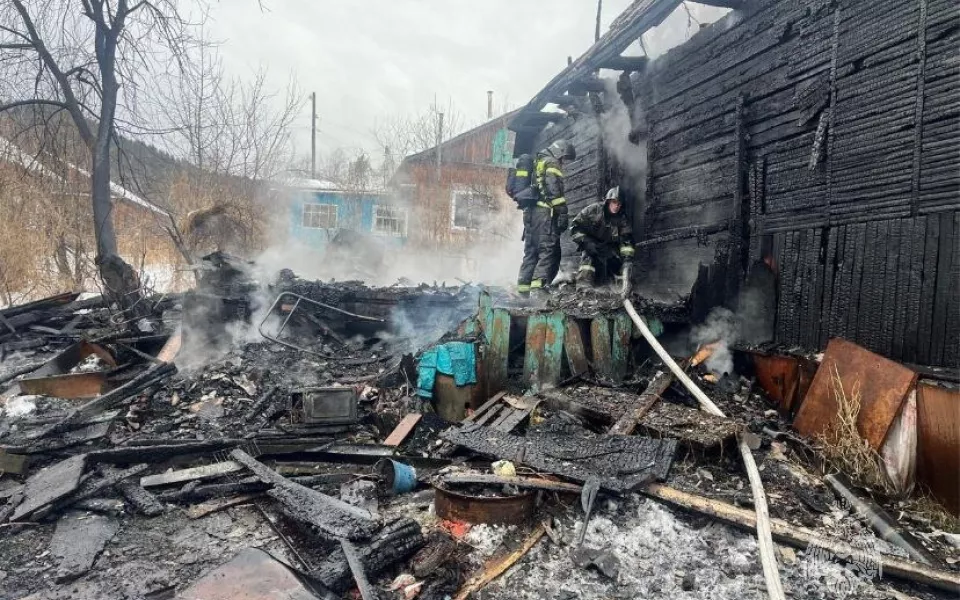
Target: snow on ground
[663, 556]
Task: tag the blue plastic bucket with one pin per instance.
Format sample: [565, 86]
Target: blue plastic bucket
[398, 477]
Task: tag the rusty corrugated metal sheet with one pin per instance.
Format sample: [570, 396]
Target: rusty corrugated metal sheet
[785, 379]
[938, 443]
[884, 386]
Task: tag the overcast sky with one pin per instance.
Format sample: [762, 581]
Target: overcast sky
[370, 59]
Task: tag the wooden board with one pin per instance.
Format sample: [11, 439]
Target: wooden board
[78, 540]
[573, 346]
[620, 346]
[51, 484]
[192, 474]
[600, 340]
[884, 386]
[402, 430]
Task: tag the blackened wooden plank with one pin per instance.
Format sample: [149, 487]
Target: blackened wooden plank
[793, 308]
[842, 288]
[943, 288]
[779, 242]
[885, 339]
[928, 289]
[914, 290]
[856, 291]
[865, 314]
[951, 347]
[907, 228]
[816, 299]
[828, 277]
[804, 287]
[786, 287]
[880, 289]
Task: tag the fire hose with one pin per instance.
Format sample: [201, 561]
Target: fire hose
[768, 558]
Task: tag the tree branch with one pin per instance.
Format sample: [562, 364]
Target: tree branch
[71, 103]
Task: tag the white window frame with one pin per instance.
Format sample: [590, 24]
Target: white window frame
[396, 213]
[453, 208]
[306, 211]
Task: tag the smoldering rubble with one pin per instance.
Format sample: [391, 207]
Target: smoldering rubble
[289, 438]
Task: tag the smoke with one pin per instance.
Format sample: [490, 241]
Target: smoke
[722, 329]
[616, 126]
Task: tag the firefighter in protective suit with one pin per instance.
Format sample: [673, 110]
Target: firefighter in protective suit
[604, 235]
[545, 220]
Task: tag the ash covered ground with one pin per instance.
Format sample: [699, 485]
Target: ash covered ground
[114, 533]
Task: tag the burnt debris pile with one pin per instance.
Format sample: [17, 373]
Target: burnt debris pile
[302, 439]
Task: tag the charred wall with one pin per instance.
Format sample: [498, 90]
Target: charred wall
[820, 138]
[823, 135]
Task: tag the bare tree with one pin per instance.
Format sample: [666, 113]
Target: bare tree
[404, 135]
[235, 135]
[91, 59]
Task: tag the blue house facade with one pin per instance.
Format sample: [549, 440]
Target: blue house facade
[317, 216]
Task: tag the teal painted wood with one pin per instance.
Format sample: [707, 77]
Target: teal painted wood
[485, 315]
[533, 358]
[498, 350]
[555, 327]
[620, 350]
[600, 340]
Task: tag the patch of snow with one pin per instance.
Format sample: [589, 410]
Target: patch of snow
[656, 551]
[20, 406]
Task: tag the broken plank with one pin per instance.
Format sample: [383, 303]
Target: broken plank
[331, 516]
[498, 349]
[516, 418]
[523, 482]
[402, 430]
[191, 474]
[78, 540]
[12, 463]
[484, 407]
[498, 566]
[573, 346]
[620, 347]
[198, 511]
[650, 396]
[602, 356]
[50, 485]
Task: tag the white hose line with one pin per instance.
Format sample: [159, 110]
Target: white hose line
[768, 557]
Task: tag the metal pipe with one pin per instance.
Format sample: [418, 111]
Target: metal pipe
[878, 519]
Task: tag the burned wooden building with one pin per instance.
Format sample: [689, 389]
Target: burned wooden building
[816, 140]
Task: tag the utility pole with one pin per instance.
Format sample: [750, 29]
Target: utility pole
[313, 135]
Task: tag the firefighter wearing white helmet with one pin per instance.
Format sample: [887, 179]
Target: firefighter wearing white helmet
[604, 236]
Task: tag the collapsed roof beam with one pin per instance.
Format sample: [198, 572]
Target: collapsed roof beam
[734, 4]
[624, 63]
[640, 16]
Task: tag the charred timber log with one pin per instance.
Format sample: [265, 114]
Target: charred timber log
[331, 516]
[143, 501]
[396, 542]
